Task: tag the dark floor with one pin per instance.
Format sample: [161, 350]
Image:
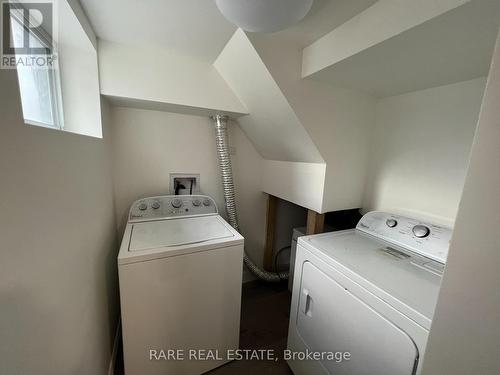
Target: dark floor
[265, 309]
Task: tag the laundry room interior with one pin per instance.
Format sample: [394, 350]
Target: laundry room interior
[250, 186]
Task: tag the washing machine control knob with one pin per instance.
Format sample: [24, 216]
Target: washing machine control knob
[421, 231]
[196, 203]
[391, 223]
[143, 206]
[155, 205]
[176, 203]
[206, 202]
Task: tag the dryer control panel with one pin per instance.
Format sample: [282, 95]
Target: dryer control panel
[431, 241]
[168, 206]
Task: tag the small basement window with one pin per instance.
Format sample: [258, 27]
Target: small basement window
[40, 87]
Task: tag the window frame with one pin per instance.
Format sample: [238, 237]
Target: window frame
[55, 91]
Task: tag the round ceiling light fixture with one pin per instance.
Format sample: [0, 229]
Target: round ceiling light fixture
[264, 15]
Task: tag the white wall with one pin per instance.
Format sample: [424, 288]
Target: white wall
[152, 74]
[149, 145]
[338, 122]
[299, 183]
[313, 136]
[465, 333]
[420, 151]
[79, 76]
[58, 284]
[251, 202]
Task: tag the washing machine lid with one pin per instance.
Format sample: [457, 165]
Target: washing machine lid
[177, 232]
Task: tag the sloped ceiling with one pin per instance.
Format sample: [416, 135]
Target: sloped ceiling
[300, 122]
[336, 120]
[159, 54]
[454, 44]
[272, 125]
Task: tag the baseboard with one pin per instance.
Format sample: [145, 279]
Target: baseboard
[114, 353]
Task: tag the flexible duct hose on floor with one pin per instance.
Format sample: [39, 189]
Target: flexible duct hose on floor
[228, 190]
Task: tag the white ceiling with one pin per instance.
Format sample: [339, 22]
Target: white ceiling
[195, 27]
[324, 16]
[188, 27]
[453, 47]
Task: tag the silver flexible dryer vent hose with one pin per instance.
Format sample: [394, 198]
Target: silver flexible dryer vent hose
[228, 189]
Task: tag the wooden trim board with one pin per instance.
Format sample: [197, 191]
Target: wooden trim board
[272, 203]
[315, 222]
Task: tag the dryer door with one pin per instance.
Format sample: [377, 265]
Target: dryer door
[330, 318]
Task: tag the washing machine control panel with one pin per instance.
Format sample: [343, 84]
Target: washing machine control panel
[430, 240]
[167, 206]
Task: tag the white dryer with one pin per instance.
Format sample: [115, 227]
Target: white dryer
[369, 292]
[180, 271]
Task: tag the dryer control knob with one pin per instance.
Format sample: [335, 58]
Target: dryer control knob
[143, 206]
[421, 231]
[391, 223]
[196, 202]
[155, 205]
[176, 203]
[206, 202]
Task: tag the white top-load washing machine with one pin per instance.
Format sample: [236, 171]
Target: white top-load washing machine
[180, 271]
[363, 299]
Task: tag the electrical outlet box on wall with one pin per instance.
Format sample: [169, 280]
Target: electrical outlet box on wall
[184, 183]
